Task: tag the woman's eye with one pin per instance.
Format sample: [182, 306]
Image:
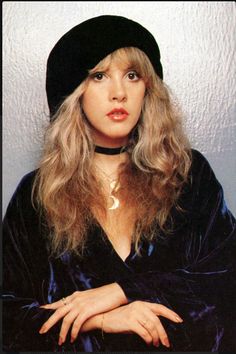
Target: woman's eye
[133, 75]
[98, 76]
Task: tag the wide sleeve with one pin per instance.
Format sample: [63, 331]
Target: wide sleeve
[24, 275]
[203, 289]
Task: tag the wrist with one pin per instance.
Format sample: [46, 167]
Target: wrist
[98, 323]
[92, 323]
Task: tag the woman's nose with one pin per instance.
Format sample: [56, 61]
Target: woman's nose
[118, 91]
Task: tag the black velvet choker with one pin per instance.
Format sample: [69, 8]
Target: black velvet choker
[110, 151]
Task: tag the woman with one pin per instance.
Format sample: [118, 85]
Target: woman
[121, 239]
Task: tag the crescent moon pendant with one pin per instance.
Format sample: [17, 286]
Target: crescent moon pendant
[115, 204]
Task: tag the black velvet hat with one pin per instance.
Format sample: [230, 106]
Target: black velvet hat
[82, 47]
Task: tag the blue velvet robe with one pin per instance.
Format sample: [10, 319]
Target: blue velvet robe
[191, 271]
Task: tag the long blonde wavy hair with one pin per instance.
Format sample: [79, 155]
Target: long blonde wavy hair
[66, 186]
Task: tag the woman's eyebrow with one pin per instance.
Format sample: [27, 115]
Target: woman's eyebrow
[124, 68]
[129, 67]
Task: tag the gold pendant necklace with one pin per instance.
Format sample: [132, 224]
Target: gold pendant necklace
[114, 187]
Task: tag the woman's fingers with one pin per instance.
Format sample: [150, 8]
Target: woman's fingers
[154, 326]
[67, 322]
[162, 333]
[150, 325]
[72, 319]
[62, 302]
[58, 314]
[53, 306]
[76, 327]
[161, 310]
[148, 317]
[142, 332]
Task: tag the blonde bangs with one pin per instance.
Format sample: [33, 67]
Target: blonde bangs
[129, 58]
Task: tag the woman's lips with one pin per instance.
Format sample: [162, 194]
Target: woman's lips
[118, 114]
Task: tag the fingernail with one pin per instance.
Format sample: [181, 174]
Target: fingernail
[72, 339]
[166, 342]
[42, 330]
[156, 344]
[60, 341]
[178, 319]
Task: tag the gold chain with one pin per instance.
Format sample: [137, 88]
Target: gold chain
[114, 187]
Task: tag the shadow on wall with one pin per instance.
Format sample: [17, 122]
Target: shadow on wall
[224, 166]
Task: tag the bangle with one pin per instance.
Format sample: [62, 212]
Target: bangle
[103, 315]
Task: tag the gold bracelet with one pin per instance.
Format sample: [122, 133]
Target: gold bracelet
[103, 315]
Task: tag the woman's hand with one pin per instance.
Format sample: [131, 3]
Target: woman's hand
[137, 317]
[82, 305]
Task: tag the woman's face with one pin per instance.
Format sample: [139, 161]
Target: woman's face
[112, 103]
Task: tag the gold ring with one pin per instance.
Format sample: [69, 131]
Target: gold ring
[64, 301]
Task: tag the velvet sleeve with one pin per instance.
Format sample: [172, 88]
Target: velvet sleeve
[24, 275]
[204, 287]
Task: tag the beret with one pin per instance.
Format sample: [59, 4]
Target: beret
[82, 47]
